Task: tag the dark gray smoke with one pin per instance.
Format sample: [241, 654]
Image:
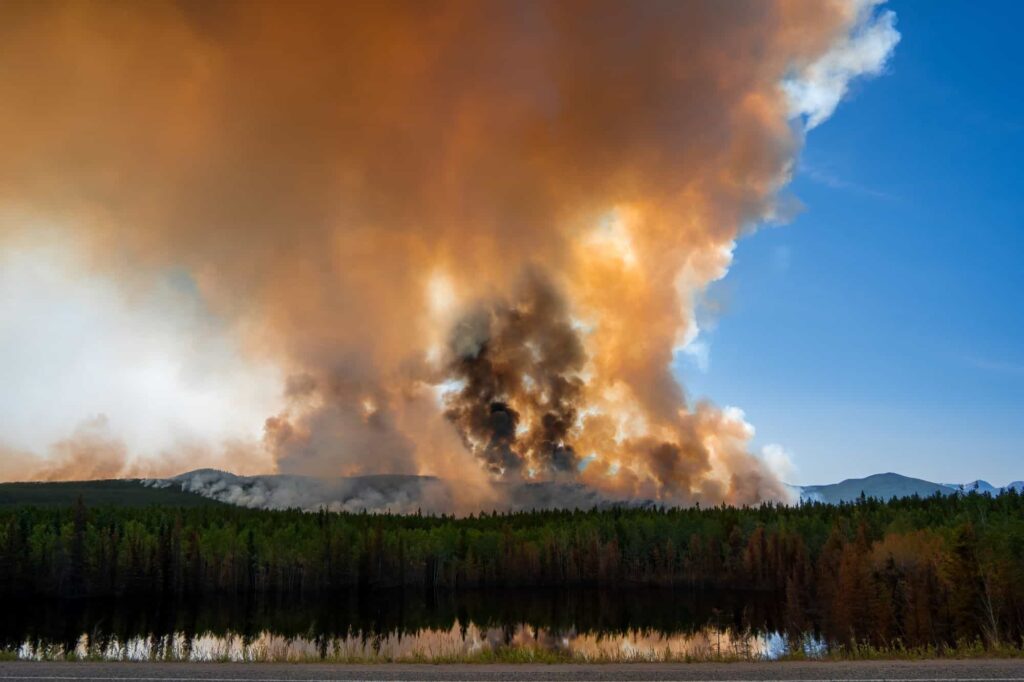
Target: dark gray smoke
[518, 364]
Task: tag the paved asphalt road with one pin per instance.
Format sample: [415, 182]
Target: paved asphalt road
[1007, 670]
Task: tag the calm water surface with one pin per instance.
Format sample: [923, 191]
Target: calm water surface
[595, 624]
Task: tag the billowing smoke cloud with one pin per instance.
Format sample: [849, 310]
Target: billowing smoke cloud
[471, 232]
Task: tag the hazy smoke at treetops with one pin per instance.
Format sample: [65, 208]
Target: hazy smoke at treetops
[472, 233]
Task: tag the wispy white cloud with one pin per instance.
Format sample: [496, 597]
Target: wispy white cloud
[826, 178]
[1010, 368]
[816, 90]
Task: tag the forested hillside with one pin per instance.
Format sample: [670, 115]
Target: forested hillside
[917, 571]
[114, 492]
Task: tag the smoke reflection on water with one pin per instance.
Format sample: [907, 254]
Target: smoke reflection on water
[587, 625]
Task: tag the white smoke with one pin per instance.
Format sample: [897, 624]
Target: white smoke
[394, 493]
[816, 90]
[160, 371]
[398, 494]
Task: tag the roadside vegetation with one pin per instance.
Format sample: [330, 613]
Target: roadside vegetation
[255, 653]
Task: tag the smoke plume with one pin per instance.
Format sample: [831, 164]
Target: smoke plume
[519, 367]
[472, 233]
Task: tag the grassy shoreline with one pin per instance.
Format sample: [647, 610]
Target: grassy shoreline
[539, 655]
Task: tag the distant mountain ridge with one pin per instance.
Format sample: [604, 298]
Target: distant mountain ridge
[891, 485]
[409, 493]
[403, 494]
[126, 492]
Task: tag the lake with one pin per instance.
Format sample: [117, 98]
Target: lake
[385, 626]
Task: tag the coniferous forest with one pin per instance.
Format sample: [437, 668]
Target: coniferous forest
[920, 572]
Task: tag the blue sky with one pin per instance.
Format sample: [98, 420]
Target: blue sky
[882, 329]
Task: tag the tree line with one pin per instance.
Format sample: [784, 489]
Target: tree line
[917, 571]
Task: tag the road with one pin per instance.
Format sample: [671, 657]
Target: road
[962, 671]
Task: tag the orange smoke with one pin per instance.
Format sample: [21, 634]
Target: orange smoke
[93, 452]
[351, 184]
